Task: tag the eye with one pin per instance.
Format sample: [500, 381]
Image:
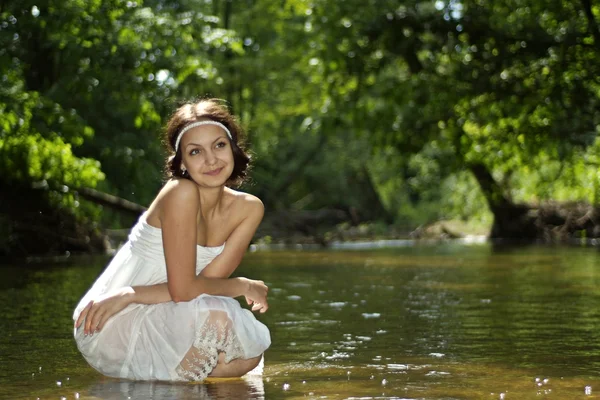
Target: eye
[193, 152]
[220, 145]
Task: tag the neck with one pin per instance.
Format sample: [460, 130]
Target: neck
[210, 199]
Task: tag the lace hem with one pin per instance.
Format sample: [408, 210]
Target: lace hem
[215, 336]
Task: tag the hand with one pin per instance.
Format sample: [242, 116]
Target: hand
[98, 311]
[256, 295]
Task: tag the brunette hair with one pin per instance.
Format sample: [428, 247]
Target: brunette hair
[202, 110]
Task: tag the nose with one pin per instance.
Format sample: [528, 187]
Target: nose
[211, 158]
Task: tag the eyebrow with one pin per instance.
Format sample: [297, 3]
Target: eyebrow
[198, 144]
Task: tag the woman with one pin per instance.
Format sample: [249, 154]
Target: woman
[164, 308]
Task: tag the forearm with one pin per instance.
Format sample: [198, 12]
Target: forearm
[160, 293]
[232, 287]
[152, 294]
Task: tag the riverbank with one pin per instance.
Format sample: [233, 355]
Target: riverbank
[551, 223]
[270, 234]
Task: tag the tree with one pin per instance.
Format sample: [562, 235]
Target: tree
[87, 83]
[498, 87]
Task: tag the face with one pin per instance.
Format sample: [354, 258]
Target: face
[207, 155]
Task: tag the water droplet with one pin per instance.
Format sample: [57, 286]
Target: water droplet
[588, 390]
[304, 382]
[371, 315]
[437, 355]
[286, 386]
[545, 381]
[58, 383]
[537, 379]
[384, 382]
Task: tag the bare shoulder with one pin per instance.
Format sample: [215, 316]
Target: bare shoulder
[180, 188]
[246, 203]
[177, 195]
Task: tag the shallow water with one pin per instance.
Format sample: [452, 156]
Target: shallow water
[428, 322]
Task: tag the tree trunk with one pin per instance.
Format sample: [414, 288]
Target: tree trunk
[377, 210]
[30, 224]
[511, 221]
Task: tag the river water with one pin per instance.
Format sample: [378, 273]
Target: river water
[448, 321]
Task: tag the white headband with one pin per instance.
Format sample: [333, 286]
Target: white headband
[200, 123]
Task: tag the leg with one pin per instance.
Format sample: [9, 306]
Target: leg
[215, 339]
[234, 368]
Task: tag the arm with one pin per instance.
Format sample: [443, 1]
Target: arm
[238, 241]
[179, 228]
[178, 258]
[99, 310]
[224, 264]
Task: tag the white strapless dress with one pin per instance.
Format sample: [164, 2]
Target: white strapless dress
[168, 341]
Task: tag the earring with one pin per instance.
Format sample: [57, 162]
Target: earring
[183, 170]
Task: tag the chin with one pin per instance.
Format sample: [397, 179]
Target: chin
[210, 181]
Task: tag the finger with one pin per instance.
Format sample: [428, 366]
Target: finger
[82, 314]
[105, 317]
[96, 320]
[264, 308]
[81, 318]
[90, 318]
[90, 312]
[248, 301]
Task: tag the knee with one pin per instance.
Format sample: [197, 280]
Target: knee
[235, 368]
[253, 363]
[242, 366]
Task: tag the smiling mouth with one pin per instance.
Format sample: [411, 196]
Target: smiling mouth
[214, 172]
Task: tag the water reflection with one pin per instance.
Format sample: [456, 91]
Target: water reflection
[247, 388]
[441, 322]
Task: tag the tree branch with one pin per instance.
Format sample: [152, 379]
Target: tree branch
[593, 26]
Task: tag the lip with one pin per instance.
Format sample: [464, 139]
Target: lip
[214, 172]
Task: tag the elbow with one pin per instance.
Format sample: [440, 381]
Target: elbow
[180, 298]
[177, 299]
[178, 295]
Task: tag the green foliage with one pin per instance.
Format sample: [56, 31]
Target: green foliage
[377, 106]
[37, 137]
[512, 85]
